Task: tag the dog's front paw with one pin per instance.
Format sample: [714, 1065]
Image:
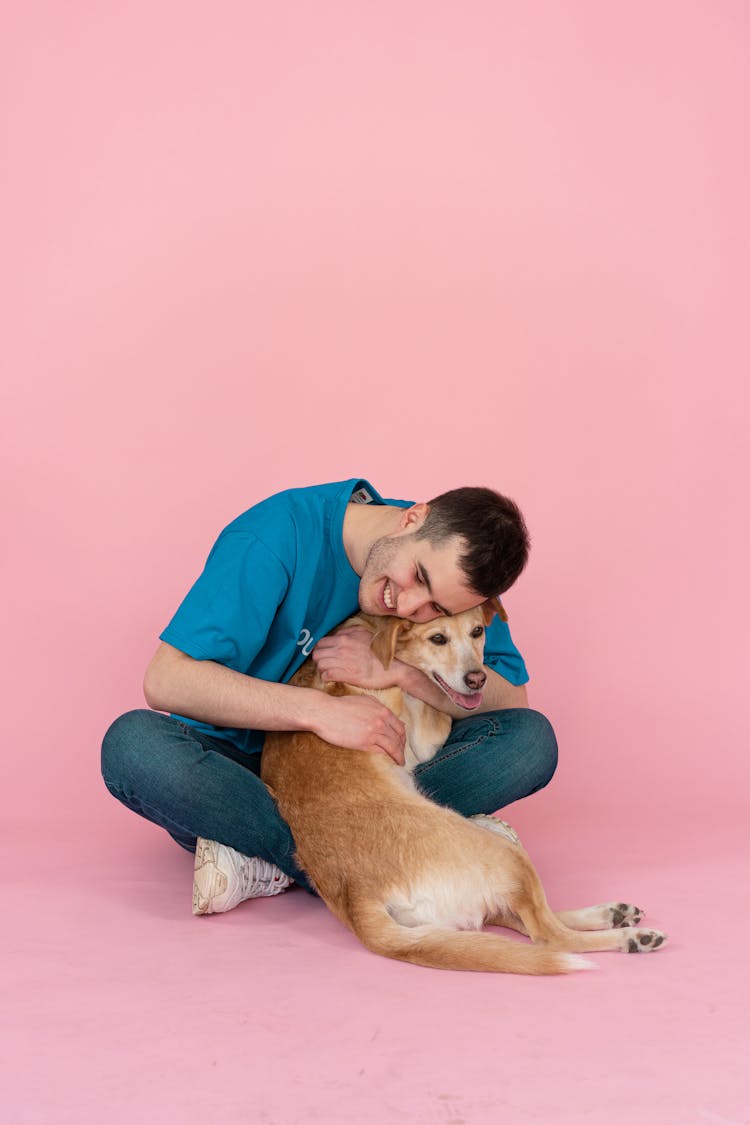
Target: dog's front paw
[643, 941]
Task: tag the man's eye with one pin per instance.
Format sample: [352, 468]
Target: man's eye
[419, 577]
[439, 639]
[477, 631]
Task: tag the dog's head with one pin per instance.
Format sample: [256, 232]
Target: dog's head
[449, 649]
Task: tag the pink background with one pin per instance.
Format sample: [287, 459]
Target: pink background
[251, 246]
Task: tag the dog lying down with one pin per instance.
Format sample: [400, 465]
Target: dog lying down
[411, 879]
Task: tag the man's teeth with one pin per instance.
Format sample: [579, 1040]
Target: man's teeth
[387, 596]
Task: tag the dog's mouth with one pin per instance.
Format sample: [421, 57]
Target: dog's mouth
[468, 700]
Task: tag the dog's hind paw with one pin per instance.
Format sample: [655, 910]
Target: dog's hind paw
[623, 914]
[644, 941]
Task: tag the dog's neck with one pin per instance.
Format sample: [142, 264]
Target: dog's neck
[426, 727]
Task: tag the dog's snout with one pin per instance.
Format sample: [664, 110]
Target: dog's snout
[475, 681]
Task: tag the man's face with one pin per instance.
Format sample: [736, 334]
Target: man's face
[409, 577]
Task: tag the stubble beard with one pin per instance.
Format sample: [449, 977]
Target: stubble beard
[379, 557]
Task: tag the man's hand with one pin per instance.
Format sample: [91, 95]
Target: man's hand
[348, 659]
[359, 722]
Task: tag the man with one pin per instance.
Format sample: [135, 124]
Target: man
[277, 581]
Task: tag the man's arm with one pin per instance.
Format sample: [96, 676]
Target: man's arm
[212, 693]
[347, 656]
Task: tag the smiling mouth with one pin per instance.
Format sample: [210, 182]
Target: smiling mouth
[388, 601]
[469, 700]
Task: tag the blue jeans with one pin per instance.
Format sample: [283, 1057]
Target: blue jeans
[193, 784]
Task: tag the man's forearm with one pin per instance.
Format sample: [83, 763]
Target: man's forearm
[498, 693]
[212, 693]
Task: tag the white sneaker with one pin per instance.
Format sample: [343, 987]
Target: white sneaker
[223, 878]
[500, 826]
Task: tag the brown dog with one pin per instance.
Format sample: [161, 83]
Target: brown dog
[411, 879]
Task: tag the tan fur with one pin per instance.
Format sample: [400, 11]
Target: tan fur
[411, 879]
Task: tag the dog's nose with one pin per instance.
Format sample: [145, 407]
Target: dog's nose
[475, 681]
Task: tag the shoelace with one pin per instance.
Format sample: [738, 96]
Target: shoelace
[258, 877]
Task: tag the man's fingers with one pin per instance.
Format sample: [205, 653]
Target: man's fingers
[322, 647]
[391, 737]
[394, 751]
[367, 724]
[396, 756]
[396, 739]
[331, 644]
[397, 727]
[342, 641]
[329, 671]
[330, 662]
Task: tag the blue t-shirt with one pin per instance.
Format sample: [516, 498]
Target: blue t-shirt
[276, 581]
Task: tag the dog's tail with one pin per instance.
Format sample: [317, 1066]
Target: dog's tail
[470, 950]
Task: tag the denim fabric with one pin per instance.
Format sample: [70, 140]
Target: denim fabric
[490, 761]
[193, 784]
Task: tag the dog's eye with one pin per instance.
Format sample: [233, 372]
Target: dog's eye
[439, 639]
[477, 631]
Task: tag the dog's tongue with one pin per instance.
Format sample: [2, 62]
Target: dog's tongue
[469, 701]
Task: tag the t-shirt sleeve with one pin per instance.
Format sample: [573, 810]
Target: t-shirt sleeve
[501, 654]
[228, 613]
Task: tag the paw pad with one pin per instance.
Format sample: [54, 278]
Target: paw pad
[623, 914]
[643, 941]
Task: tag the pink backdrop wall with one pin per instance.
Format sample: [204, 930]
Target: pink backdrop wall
[252, 246]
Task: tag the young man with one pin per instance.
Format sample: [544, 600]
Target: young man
[277, 581]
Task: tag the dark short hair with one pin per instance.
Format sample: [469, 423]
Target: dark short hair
[493, 529]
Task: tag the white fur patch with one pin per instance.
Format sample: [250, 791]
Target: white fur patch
[456, 900]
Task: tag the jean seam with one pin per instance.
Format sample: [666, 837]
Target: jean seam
[425, 767]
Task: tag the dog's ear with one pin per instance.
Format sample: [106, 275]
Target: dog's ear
[491, 607]
[385, 639]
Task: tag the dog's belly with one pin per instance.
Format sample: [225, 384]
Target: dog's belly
[428, 865]
[450, 900]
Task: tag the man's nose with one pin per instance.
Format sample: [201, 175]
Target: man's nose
[409, 602]
[475, 680]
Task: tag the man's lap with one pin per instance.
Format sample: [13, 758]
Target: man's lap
[194, 784]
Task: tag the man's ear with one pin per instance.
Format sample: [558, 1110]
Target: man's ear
[491, 607]
[413, 517]
[383, 644]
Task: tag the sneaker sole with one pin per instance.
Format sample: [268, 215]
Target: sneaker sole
[209, 883]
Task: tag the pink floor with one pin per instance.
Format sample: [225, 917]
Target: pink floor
[122, 1007]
